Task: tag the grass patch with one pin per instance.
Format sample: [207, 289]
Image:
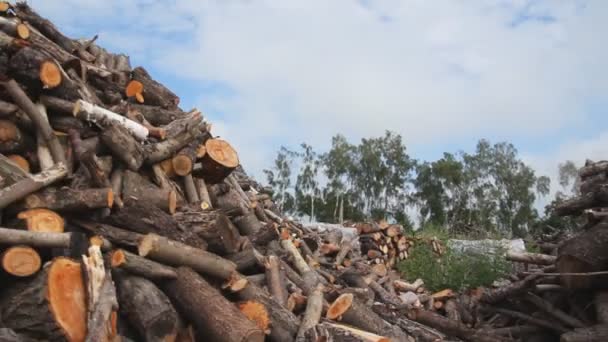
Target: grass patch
[452, 270]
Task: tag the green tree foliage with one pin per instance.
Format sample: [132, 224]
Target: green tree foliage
[490, 190]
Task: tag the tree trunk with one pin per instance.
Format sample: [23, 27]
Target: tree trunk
[136, 189]
[348, 310]
[147, 308]
[26, 186]
[136, 265]
[208, 310]
[50, 306]
[68, 199]
[219, 161]
[145, 218]
[123, 146]
[284, 324]
[214, 227]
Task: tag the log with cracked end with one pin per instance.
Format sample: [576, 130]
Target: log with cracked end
[21, 261]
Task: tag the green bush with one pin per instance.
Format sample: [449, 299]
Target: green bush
[452, 270]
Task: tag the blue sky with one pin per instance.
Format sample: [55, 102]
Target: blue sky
[441, 73]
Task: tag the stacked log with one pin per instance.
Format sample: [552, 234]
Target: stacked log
[125, 218]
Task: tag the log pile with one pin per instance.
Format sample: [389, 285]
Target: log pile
[123, 218]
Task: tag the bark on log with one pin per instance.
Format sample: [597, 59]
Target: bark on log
[154, 93]
[156, 115]
[208, 310]
[93, 113]
[147, 308]
[9, 335]
[597, 333]
[113, 234]
[497, 295]
[35, 69]
[531, 258]
[452, 328]
[68, 199]
[45, 27]
[275, 279]
[203, 193]
[29, 108]
[312, 315]
[348, 310]
[20, 261]
[136, 189]
[177, 254]
[284, 324]
[214, 227]
[123, 146]
[165, 149]
[51, 306]
[183, 161]
[246, 261]
[139, 266]
[574, 206]
[190, 189]
[593, 169]
[146, 218]
[584, 252]
[310, 277]
[87, 158]
[557, 313]
[267, 233]
[219, 161]
[100, 326]
[248, 224]
[26, 186]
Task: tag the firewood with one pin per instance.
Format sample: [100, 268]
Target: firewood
[203, 193]
[312, 315]
[296, 302]
[35, 69]
[135, 89]
[384, 295]
[28, 185]
[93, 113]
[123, 146]
[219, 161]
[208, 310]
[341, 332]
[101, 326]
[157, 115]
[190, 188]
[531, 258]
[12, 139]
[42, 220]
[310, 277]
[230, 202]
[183, 161]
[452, 328]
[530, 319]
[554, 311]
[137, 189]
[113, 234]
[284, 324]
[248, 224]
[593, 169]
[51, 306]
[245, 260]
[576, 205]
[350, 311]
[583, 253]
[157, 132]
[403, 286]
[595, 333]
[139, 266]
[165, 149]
[154, 93]
[147, 308]
[213, 226]
[45, 27]
[13, 28]
[67, 199]
[9, 335]
[275, 279]
[345, 248]
[178, 254]
[88, 160]
[21, 261]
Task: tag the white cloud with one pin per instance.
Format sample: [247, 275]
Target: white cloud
[435, 71]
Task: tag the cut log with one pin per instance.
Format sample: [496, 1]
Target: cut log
[123, 145]
[203, 193]
[312, 315]
[497, 295]
[584, 252]
[256, 312]
[557, 313]
[45, 27]
[42, 125]
[146, 218]
[116, 182]
[328, 331]
[87, 158]
[190, 189]
[135, 89]
[100, 325]
[452, 328]
[167, 148]
[36, 239]
[345, 248]
[35, 69]
[51, 306]
[157, 115]
[42, 220]
[275, 279]
[213, 226]
[248, 224]
[208, 310]
[154, 93]
[68, 199]
[139, 266]
[575, 206]
[21, 261]
[31, 184]
[12, 140]
[219, 161]
[183, 162]
[284, 324]
[403, 286]
[147, 308]
[593, 169]
[310, 277]
[113, 234]
[531, 258]
[137, 189]
[177, 254]
[246, 261]
[348, 310]
[93, 113]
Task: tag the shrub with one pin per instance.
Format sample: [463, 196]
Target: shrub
[452, 270]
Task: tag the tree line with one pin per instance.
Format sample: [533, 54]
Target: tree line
[491, 189]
